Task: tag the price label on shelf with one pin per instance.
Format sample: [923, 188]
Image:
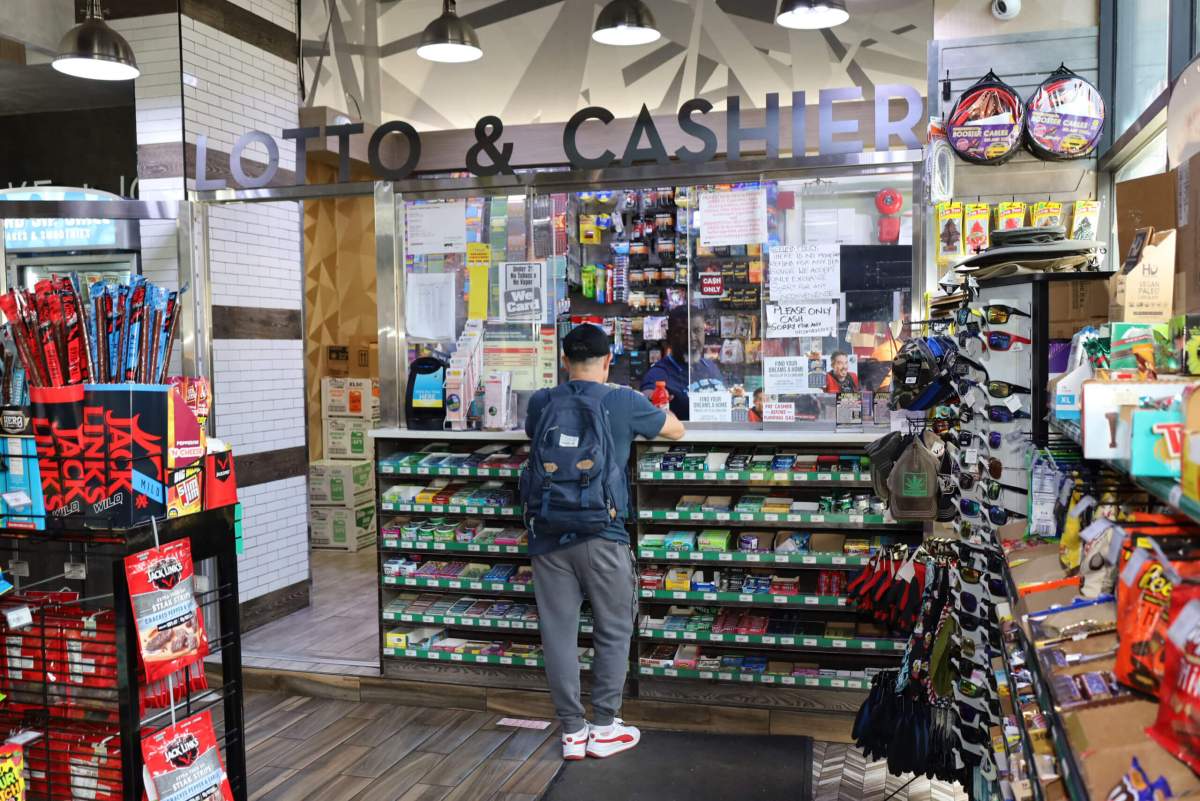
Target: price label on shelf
[462, 471]
[454, 510]
[770, 517]
[689, 635]
[725, 676]
[18, 617]
[758, 476]
[672, 515]
[670, 672]
[741, 638]
[753, 557]
[477, 585]
[787, 640]
[670, 635]
[503, 624]
[838, 560]
[837, 682]
[696, 516]
[672, 554]
[767, 678]
[646, 475]
[454, 584]
[474, 548]
[811, 600]
[839, 643]
[511, 548]
[422, 471]
[646, 513]
[808, 560]
[780, 477]
[725, 557]
[710, 596]
[809, 642]
[456, 657]
[788, 679]
[824, 477]
[679, 596]
[646, 553]
[506, 660]
[744, 598]
[745, 677]
[710, 476]
[745, 516]
[868, 645]
[722, 515]
[706, 674]
[780, 599]
[498, 588]
[688, 476]
[816, 518]
[439, 546]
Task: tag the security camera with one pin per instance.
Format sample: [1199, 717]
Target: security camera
[1006, 9]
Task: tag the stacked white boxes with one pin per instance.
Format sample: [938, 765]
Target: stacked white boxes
[341, 486]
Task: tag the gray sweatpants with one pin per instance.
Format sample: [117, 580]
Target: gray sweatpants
[604, 572]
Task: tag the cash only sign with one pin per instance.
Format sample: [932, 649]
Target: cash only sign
[492, 155]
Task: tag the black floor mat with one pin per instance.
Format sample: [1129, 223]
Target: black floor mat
[685, 766]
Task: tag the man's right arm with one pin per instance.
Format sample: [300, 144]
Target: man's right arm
[672, 427]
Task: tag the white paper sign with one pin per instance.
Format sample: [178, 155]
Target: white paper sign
[776, 412]
[434, 228]
[710, 407]
[804, 272]
[787, 320]
[429, 305]
[523, 291]
[737, 217]
[785, 375]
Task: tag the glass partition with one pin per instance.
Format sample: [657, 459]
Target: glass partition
[766, 302]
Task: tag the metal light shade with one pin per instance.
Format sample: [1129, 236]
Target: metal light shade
[93, 50]
[625, 22]
[448, 39]
[812, 14]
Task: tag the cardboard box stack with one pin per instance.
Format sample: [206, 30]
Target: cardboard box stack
[341, 486]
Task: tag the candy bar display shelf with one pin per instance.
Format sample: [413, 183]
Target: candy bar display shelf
[832, 663]
[90, 563]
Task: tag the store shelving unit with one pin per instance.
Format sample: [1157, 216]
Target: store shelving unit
[842, 659]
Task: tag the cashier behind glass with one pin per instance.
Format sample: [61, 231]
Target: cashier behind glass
[702, 375]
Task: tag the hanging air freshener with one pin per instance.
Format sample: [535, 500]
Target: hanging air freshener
[1064, 117]
[984, 126]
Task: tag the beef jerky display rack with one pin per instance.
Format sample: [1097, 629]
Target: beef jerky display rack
[76, 695]
[745, 555]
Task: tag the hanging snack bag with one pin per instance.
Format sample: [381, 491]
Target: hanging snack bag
[977, 223]
[950, 228]
[1046, 214]
[1085, 219]
[1143, 602]
[183, 761]
[1177, 727]
[1009, 215]
[169, 625]
[985, 124]
[1064, 117]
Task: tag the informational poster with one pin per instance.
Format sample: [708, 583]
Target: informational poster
[779, 412]
[436, 227]
[786, 375]
[805, 272]
[788, 320]
[429, 306]
[710, 407]
[737, 217]
[479, 262]
[523, 291]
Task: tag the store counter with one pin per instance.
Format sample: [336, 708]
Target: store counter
[723, 436]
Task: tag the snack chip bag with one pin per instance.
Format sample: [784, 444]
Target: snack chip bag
[169, 625]
[183, 761]
[1177, 728]
[1143, 601]
[1135, 785]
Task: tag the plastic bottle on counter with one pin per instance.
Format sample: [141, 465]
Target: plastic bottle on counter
[660, 397]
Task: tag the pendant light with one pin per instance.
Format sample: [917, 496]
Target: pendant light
[812, 14]
[625, 22]
[93, 50]
[448, 39]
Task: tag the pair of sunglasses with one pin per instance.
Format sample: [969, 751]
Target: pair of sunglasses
[1000, 314]
[1003, 414]
[1004, 341]
[994, 438]
[993, 490]
[997, 515]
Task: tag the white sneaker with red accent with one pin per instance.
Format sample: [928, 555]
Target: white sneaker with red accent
[575, 745]
[604, 741]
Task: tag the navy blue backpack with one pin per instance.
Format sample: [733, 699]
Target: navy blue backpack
[573, 486]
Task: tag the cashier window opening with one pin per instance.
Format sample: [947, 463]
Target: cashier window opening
[839, 378]
[673, 368]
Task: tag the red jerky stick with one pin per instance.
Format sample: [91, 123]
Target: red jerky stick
[173, 324]
[73, 333]
[21, 339]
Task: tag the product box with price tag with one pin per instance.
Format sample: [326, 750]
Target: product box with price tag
[342, 529]
[350, 397]
[340, 483]
[346, 438]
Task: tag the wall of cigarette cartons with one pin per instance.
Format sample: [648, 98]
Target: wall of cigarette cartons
[341, 486]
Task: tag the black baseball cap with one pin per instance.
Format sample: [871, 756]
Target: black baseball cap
[586, 341]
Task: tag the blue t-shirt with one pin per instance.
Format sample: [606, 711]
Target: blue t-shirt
[704, 375]
[631, 415]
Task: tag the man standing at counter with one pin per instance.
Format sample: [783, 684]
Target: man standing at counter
[673, 368]
[575, 490]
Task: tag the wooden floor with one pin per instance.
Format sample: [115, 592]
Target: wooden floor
[338, 632]
[300, 747]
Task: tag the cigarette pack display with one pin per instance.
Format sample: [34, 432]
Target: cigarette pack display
[343, 529]
[340, 483]
[169, 625]
[346, 438]
[183, 761]
[350, 397]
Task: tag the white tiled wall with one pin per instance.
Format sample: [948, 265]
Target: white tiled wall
[259, 393]
[275, 528]
[255, 255]
[281, 12]
[232, 87]
[158, 103]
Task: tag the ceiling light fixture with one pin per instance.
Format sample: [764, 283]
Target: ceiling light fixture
[93, 50]
[448, 39]
[625, 22]
[812, 14]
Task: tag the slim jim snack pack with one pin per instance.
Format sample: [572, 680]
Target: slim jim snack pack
[169, 626]
[183, 762]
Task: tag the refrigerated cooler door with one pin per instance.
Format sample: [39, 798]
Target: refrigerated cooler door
[26, 271]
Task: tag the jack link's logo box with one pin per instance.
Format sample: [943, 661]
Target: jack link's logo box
[104, 450]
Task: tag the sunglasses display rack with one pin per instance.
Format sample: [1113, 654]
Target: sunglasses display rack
[754, 607]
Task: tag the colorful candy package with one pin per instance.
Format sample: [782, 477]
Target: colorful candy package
[1143, 602]
[1177, 728]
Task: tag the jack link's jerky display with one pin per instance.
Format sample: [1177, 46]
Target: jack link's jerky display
[183, 763]
[984, 126]
[1064, 117]
[169, 625]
